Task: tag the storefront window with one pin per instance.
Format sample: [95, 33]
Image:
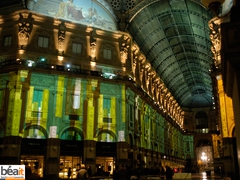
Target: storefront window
[105, 165]
[71, 162]
[35, 163]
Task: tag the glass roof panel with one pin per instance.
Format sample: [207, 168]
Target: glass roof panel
[178, 47]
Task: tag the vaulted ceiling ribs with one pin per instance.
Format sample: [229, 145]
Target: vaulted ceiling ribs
[174, 36]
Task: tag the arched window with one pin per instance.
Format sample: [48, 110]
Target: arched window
[106, 136]
[201, 120]
[72, 134]
[35, 132]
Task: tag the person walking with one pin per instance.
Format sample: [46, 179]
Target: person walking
[69, 173]
[89, 170]
[82, 173]
[162, 173]
[122, 173]
[169, 173]
[116, 173]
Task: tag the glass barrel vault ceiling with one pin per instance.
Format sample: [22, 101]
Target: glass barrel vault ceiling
[174, 36]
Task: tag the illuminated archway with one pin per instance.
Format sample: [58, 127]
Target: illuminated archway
[35, 132]
[106, 136]
[72, 133]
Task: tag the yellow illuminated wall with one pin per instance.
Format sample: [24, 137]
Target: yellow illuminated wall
[59, 100]
[226, 109]
[14, 106]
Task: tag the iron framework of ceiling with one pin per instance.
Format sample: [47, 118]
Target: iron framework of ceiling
[174, 36]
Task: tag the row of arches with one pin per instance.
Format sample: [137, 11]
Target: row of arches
[69, 133]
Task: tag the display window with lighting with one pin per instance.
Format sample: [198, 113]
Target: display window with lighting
[36, 163]
[72, 162]
[105, 166]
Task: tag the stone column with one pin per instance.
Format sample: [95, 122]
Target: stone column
[11, 150]
[149, 158]
[89, 154]
[229, 153]
[122, 153]
[155, 159]
[142, 153]
[231, 80]
[135, 156]
[52, 161]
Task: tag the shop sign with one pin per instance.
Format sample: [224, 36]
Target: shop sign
[71, 146]
[106, 147]
[38, 144]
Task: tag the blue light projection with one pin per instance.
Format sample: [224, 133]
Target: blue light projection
[88, 12]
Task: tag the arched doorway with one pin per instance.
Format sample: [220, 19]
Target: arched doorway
[204, 155]
[105, 153]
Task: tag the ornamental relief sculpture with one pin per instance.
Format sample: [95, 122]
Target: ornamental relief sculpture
[61, 37]
[215, 37]
[93, 49]
[25, 26]
[147, 78]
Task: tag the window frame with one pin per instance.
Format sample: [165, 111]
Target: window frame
[78, 45]
[43, 44]
[7, 41]
[107, 53]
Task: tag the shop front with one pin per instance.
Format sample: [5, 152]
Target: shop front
[71, 156]
[105, 158]
[33, 152]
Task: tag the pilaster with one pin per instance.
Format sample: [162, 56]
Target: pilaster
[122, 153]
[11, 150]
[89, 154]
[52, 158]
[231, 76]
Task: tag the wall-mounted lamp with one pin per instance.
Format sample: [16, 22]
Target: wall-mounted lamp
[21, 51]
[92, 63]
[91, 149]
[60, 58]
